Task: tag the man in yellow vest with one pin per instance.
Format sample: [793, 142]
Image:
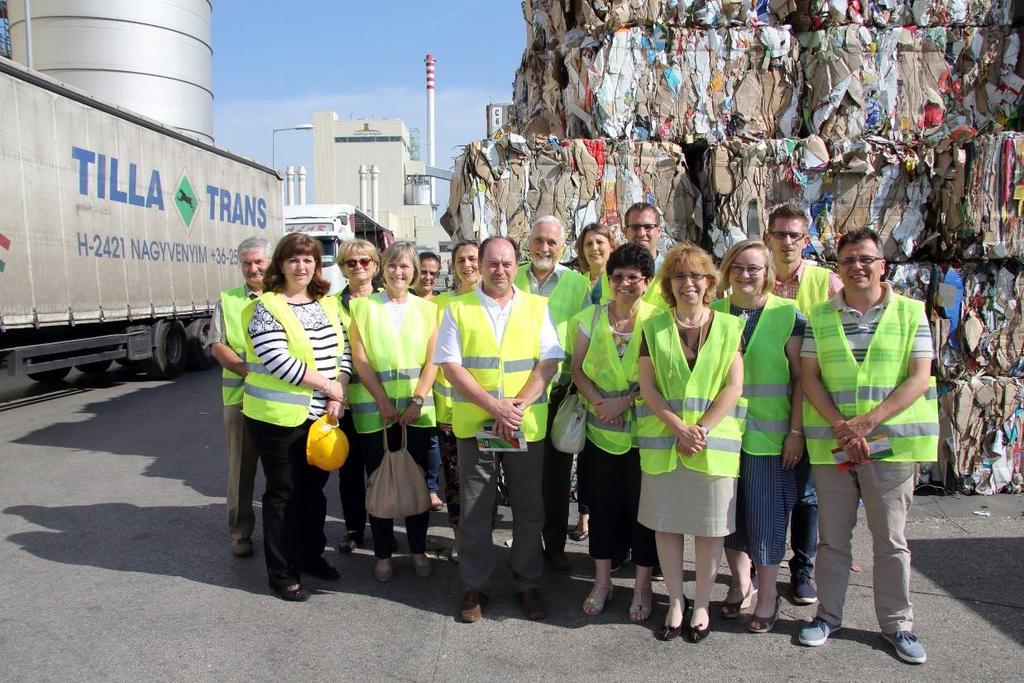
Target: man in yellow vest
[568, 293]
[808, 284]
[499, 349]
[643, 227]
[870, 416]
[226, 342]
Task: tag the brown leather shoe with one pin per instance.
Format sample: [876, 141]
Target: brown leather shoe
[531, 604]
[241, 547]
[472, 607]
[558, 561]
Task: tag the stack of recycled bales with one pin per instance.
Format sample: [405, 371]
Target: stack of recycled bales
[901, 115]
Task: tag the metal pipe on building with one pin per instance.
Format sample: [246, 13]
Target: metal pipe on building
[301, 176]
[431, 63]
[289, 186]
[28, 33]
[364, 174]
[375, 192]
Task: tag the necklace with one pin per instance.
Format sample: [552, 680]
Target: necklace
[622, 323]
[690, 326]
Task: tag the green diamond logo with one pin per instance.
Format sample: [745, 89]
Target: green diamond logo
[187, 201]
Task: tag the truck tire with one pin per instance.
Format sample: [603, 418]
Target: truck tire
[97, 368]
[199, 357]
[169, 350]
[50, 376]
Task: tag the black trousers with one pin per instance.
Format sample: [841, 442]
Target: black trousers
[352, 483]
[555, 484]
[294, 506]
[415, 526]
[613, 489]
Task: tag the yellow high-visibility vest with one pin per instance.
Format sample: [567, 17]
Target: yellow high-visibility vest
[690, 394]
[500, 371]
[398, 359]
[232, 303]
[856, 387]
[266, 397]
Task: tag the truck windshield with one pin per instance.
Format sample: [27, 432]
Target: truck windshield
[330, 246]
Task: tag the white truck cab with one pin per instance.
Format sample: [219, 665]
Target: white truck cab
[332, 224]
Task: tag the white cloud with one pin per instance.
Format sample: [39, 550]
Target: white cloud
[246, 127]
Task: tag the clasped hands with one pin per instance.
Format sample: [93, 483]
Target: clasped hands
[851, 435]
[690, 439]
[610, 410]
[508, 416]
[390, 414]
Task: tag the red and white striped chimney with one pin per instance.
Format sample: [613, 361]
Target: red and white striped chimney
[431, 63]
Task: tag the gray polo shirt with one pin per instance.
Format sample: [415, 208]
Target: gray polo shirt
[860, 329]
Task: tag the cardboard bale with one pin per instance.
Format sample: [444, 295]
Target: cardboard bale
[501, 186]
[977, 203]
[982, 424]
[679, 85]
[868, 182]
[818, 14]
[910, 84]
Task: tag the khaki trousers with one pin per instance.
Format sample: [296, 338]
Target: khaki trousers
[243, 459]
[888, 491]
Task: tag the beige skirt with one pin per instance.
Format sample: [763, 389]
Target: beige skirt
[687, 502]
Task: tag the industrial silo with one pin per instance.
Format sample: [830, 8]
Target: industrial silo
[151, 56]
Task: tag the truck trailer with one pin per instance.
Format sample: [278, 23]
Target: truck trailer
[117, 233]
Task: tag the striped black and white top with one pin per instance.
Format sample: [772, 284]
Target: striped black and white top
[271, 346]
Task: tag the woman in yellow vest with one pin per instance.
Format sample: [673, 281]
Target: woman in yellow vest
[689, 430]
[360, 264]
[299, 369]
[604, 369]
[466, 269]
[593, 247]
[773, 442]
[392, 336]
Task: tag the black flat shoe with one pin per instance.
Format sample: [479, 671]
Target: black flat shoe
[668, 632]
[695, 635]
[292, 593]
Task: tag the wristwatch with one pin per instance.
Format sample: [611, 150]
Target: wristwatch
[703, 430]
[417, 400]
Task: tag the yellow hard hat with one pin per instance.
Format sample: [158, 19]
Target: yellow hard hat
[326, 445]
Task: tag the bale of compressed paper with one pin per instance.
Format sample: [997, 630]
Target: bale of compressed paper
[982, 423]
[816, 14]
[842, 187]
[909, 83]
[978, 196]
[677, 84]
[500, 186]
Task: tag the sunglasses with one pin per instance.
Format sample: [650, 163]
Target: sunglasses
[364, 262]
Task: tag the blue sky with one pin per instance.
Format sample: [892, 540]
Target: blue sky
[360, 59]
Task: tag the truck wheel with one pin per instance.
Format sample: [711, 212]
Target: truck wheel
[97, 368]
[199, 357]
[169, 350]
[50, 376]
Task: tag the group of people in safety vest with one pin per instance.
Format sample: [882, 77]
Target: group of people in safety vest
[721, 403]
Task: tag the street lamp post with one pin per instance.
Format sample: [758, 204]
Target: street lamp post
[273, 140]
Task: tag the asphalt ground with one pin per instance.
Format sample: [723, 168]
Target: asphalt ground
[116, 566]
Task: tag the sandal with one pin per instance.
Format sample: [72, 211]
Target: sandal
[640, 610]
[731, 610]
[599, 594]
[765, 624]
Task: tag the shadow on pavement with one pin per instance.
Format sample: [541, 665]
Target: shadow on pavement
[179, 424]
[154, 540]
[981, 574]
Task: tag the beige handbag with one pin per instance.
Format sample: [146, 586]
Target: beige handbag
[398, 488]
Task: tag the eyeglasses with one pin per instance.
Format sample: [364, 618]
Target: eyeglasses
[784, 236]
[646, 227]
[741, 269]
[866, 261]
[619, 279]
[683, 277]
[364, 262]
